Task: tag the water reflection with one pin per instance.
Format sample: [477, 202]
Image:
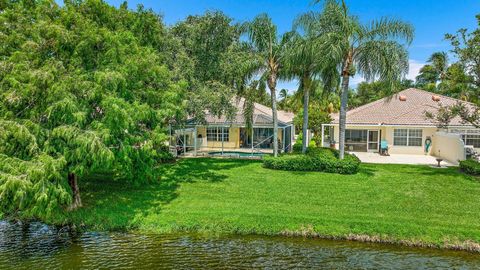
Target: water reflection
[37, 246]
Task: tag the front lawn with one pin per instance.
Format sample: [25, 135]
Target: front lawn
[417, 204]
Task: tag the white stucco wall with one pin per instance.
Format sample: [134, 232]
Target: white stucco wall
[449, 146]
[387, 134]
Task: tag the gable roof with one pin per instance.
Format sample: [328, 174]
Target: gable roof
[261, 115]
[393, 111]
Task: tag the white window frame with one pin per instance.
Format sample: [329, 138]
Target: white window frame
[408, 137]
[466, 133]
[219, 134]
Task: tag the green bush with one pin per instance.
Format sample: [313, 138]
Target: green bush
[316, 159]
[470, 166]
[297, 146]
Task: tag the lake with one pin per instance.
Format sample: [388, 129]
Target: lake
[38, 246]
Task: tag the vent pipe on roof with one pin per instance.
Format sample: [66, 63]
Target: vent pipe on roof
[402, 98]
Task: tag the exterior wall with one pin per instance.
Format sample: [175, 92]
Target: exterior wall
[233, 138]
[449, 147]
[410, 150]
[387, 134]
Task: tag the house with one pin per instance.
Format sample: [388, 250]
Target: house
[400, 121]
[218, 134]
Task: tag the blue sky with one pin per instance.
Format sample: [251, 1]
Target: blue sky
[431, 18]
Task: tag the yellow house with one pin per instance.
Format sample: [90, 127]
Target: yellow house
[217, 135]
[399, 122]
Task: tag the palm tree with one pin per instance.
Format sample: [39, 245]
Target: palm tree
[263, 36]
[373, 50]
[303, 61]
[439, 61]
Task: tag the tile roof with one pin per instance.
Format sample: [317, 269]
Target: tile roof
[261, 115]
[393, 111]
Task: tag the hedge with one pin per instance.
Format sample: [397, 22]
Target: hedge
[316, 159]
[470, 166]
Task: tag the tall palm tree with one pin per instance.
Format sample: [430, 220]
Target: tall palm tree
[263, 36]
[374, 50]
[439, 61]
[303, 61]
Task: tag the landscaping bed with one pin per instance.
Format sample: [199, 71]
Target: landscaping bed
[315, 159]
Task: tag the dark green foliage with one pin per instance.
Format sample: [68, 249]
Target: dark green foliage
[83, 87]
[470, 166]
[316, 159]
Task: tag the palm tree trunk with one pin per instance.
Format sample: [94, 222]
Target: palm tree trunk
[275, 122]
[73, 183]
[306, 96]
[343, 114]
[272, 83]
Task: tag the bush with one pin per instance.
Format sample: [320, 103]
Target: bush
[316, 159]
[470, 166]
[297, 146]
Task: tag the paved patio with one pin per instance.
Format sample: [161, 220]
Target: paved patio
[399, 159]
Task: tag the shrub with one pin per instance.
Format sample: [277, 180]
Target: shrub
[297, 146]
[316, 159]
[470, 166]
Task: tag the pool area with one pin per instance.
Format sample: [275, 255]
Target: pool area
[237, 154]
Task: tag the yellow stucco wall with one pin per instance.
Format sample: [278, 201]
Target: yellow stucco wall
[234, 138]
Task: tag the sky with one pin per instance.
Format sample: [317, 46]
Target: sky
[432, 19]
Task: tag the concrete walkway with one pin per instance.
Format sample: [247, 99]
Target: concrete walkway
[399, 159]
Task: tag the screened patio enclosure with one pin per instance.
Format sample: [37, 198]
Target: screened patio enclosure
[199, 139]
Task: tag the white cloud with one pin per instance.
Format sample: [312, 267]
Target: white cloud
[414, 68]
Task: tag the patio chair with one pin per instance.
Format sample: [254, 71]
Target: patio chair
[384, 148]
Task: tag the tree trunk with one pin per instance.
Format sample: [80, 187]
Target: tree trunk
[343, 114]
[76, 200]
[306, 96]
[272, 83]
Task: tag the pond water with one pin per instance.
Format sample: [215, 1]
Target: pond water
[37, 246]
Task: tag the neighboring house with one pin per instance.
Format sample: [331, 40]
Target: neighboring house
[219, 134]
[400, 121]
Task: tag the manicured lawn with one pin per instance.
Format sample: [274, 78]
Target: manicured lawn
[396, 202]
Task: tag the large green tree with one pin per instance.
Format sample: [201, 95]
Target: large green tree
[372, 50]
[83, 87]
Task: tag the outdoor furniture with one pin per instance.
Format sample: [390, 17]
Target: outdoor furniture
[384, 148]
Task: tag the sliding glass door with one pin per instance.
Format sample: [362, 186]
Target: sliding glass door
[362, 140]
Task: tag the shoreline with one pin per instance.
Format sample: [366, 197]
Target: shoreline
[306, 232]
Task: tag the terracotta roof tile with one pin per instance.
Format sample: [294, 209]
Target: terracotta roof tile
[392, 111]
[261, 115]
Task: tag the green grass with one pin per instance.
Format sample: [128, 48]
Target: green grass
[394, 202]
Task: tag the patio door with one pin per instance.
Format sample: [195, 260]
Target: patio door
[373, 140]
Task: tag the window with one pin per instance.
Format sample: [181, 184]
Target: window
[469, 136]
[400, 137]
[472, 139]
[217, 134]
[414, 137]
[407, 137]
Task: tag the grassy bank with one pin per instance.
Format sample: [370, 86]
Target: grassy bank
[394, 203]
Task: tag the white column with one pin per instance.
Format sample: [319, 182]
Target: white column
[223, 130]
[323, 133]
[283, 139]
[195, 141]
[251, 140]
[184, 142]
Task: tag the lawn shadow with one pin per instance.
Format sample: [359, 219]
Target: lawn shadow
[119, 205]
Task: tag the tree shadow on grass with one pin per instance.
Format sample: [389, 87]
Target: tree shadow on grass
[117, 205]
